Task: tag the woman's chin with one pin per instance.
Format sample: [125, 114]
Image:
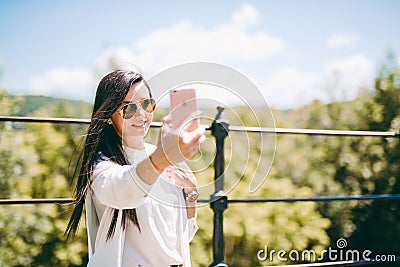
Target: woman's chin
[135, 136]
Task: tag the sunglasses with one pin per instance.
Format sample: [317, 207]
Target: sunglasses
[128, 110]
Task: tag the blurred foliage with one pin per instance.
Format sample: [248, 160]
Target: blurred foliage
[35, 164]
[37, 160]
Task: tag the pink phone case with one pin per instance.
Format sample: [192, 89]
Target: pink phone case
[183, 104]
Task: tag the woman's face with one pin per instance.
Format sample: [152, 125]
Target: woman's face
[138, 125]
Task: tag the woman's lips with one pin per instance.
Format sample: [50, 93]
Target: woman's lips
[139, 124]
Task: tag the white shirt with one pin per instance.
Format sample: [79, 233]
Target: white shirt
[165, 230]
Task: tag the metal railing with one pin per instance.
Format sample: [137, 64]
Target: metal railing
[219, 200]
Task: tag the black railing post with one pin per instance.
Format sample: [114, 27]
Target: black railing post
[219, 200]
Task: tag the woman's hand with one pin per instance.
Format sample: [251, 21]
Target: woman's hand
[181, 178]
[176, 146]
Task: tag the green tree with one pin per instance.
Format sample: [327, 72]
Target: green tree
[35, 161]
[352, 165]
[377, 221]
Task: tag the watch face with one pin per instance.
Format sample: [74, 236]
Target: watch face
[192, 196]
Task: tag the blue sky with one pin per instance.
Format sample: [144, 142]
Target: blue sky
[294, 51]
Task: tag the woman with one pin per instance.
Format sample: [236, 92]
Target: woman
[140, 199]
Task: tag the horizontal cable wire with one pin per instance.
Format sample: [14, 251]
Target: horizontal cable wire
[246, 200]
[50, 120]
[316, 198]
[231, 128]
[36, 201]
[312, 131]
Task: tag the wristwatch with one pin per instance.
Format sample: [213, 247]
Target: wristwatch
[192, 196]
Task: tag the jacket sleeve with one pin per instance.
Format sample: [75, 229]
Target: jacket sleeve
[192, 226]
[117, 186]
[192, 222]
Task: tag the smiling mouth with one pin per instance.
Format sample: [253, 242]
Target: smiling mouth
[140, 124]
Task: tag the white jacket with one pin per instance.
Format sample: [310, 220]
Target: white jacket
[165, 230]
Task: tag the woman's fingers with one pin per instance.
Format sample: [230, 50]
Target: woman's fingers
[193, 135]
[166, 119]
[181, 177]
[192, 140]
[180, 144]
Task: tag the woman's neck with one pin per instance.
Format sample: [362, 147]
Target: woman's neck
[134, 142]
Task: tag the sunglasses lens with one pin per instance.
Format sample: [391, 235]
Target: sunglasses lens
[129, 110]
[149, 105]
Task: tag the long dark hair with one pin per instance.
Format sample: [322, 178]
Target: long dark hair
[101, 136]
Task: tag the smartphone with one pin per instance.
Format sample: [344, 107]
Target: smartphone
[183, 103]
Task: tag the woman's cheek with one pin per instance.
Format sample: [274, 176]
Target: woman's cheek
[149, 119]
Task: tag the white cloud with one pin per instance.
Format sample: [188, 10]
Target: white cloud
[342, 40]
[340, 79]
[186, 42]
[290, 88]
[64, 82]
[236, 40]
[247, 15]
[348, 74]
[113, 57]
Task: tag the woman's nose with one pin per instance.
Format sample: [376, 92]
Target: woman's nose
[140, 111]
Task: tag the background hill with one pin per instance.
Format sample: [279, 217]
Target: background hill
[27, 105]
